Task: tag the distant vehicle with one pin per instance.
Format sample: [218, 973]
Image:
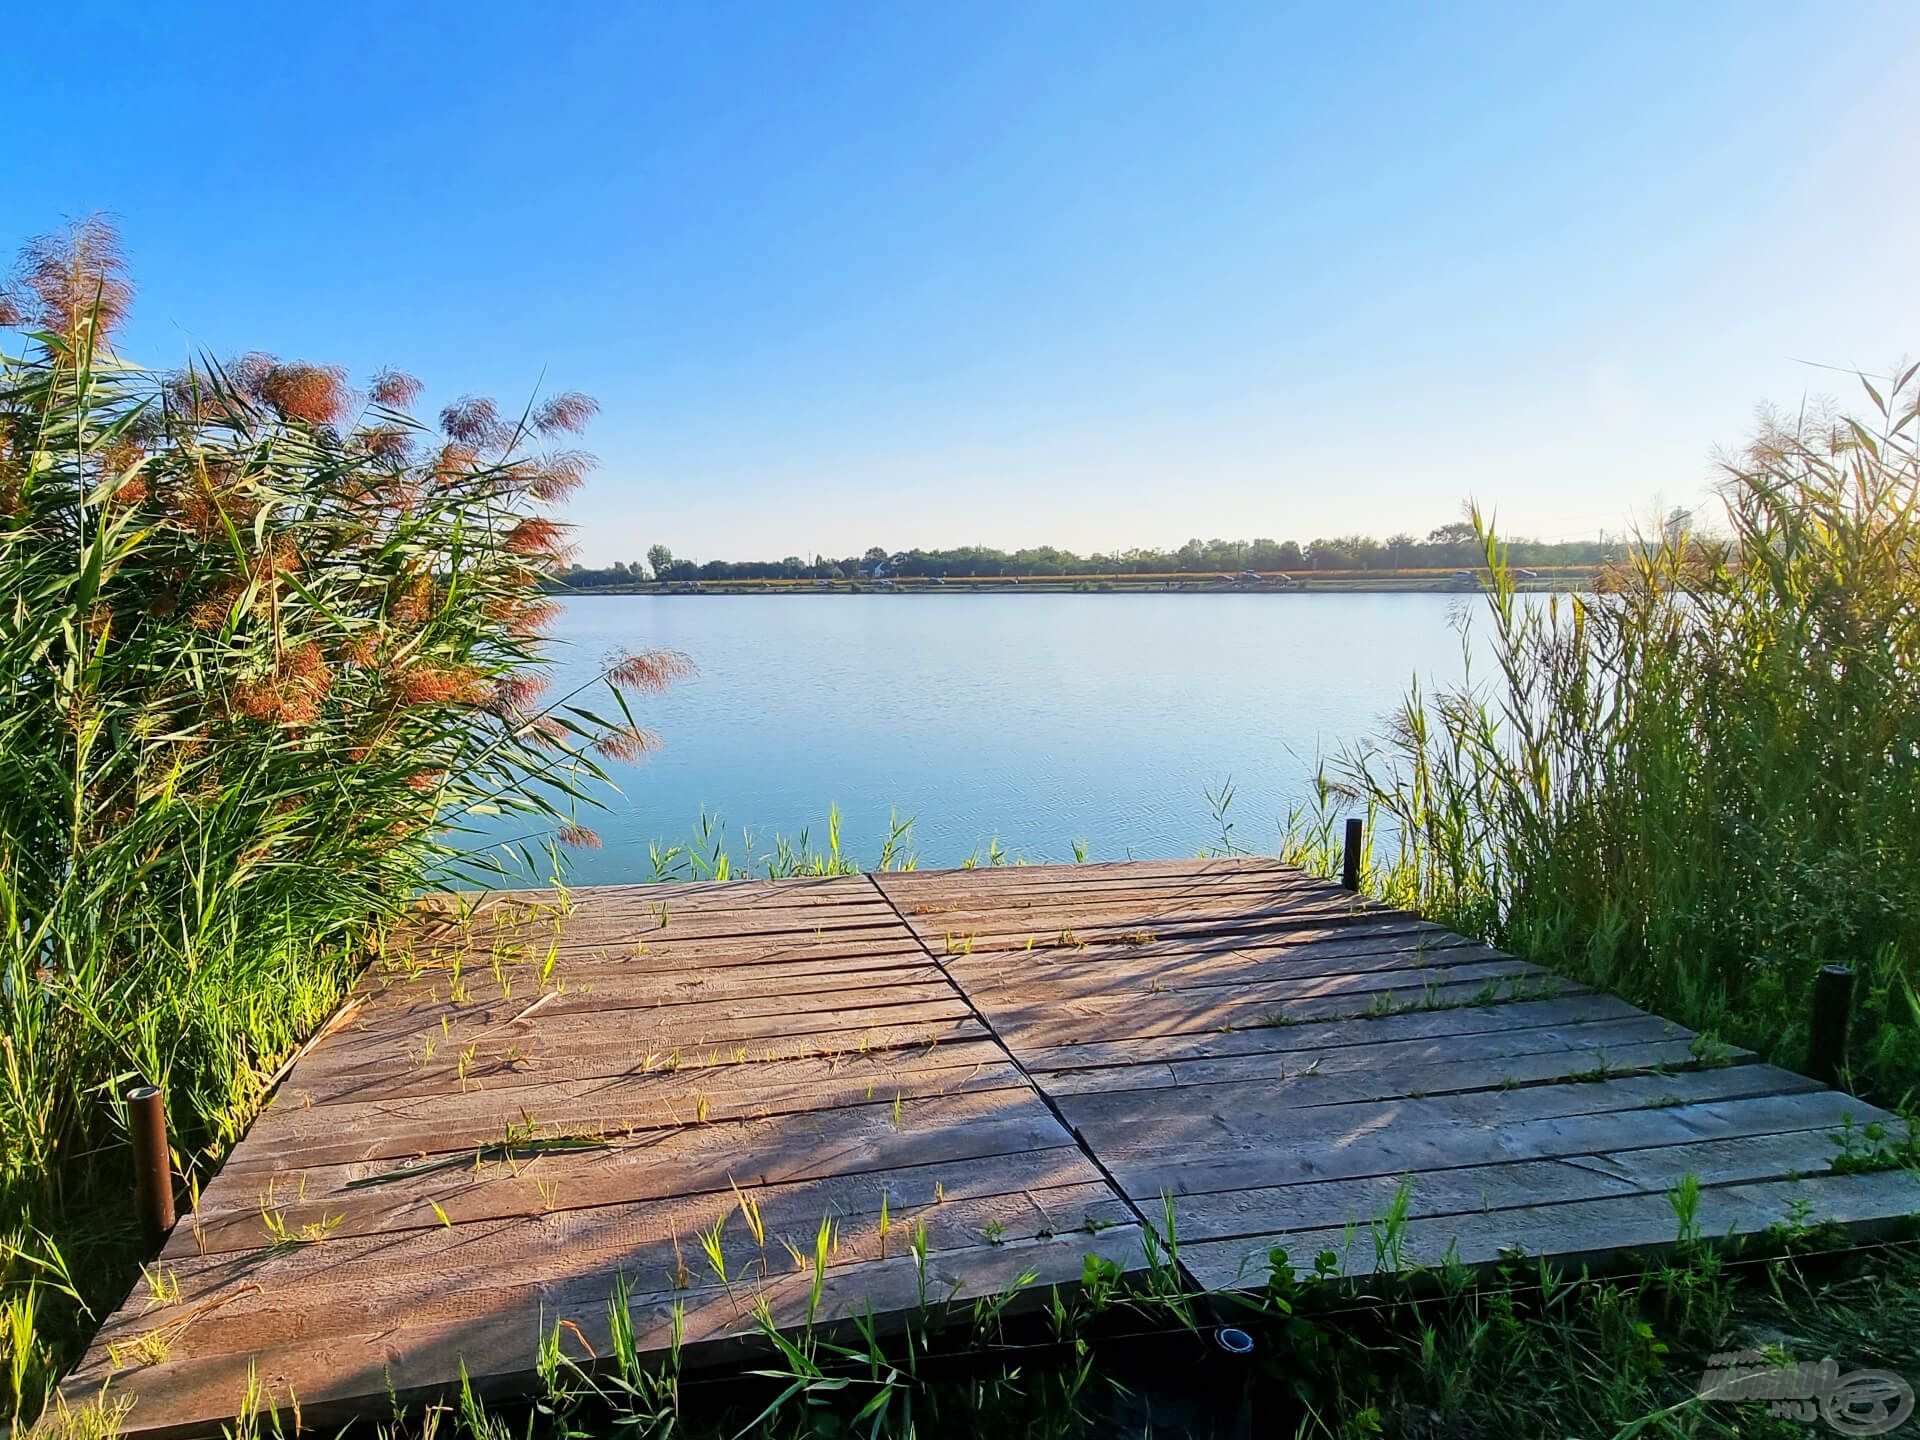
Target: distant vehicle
[1253, 575]
[1527, 574]
[1465, 577]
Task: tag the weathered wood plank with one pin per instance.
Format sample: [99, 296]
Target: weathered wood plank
[435, 1124]
[1167, 965]
[240, 1208]
[1581, 1229]
[551, 1024]
[335, 1378]
[1039, 1026]
[428, 1277]
[1130, 1124]
[502, 1062]
[1307, 1088]
[1401, 1144]
[1209, 1001]
[1351, 1030]
[1589, 1044]
[1271, 1211]
[408, 1012]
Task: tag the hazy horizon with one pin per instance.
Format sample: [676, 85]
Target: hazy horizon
[845, 276]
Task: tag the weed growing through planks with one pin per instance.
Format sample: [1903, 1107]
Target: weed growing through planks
[750, 1212]
[1871, 1147]
[163, 1286]
[282, 1237]
[713, 1246]
[521, 1141]
[1710, 1052]
[823, 1242]
[1599, 1070]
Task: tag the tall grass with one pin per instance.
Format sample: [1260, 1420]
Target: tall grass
[1702, 783]
[263, 643]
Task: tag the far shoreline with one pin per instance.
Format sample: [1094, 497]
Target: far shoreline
[1288, 583]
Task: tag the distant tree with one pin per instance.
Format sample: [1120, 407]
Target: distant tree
[661, 559]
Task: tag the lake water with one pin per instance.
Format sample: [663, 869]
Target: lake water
[1033, 721]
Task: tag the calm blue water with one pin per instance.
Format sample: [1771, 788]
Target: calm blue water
[1030, 720]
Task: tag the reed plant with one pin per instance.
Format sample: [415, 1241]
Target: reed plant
[1701, 783]
[265, 643]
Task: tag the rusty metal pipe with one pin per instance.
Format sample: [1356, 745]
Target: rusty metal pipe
[152, 1163]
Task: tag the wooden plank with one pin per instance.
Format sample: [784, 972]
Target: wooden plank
[407, 1010]
[1067, 998]
[1581, 1229]
[507, 1242]
[427, 1277]
[1397, 1145]
[341, 1376]
[637, 923]
[1306, 1088]
[999, 912]
[435, 1124]
[666, 950]
[1588, 1044]
[1183, 965]
[504, 1062]
[1130, 1124]
[1091, 1022]
[550, 1024]
[1117, 925]
[234, 1207]
[1271, 1211]
[739, 894]
[1009, 877]
[1350, 1030]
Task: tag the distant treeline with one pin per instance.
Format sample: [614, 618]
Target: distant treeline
[1448, 547]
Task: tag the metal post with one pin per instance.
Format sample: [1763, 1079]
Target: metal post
[1350, 861]
[1827, 1029]
[152, 1163]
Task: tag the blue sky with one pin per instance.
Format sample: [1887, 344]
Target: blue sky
[1098, 275]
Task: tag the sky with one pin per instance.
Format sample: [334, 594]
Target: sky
[1096, 275]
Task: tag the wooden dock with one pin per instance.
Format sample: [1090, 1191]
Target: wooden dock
[1003, 1070]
